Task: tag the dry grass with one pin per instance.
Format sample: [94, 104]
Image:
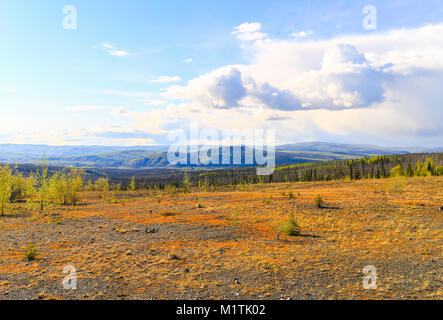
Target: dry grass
[199, 251]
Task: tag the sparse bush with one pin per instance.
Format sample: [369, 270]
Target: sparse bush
[19, 187]
[268, 201]
[101, 184]
[31, 252]
[318, 201]
[290, 195]
[5, 188]
[109, 197]
[395, 187]
[171, 189]
[65, 188]
[291, 226]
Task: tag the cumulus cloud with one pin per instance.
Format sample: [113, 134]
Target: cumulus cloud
[249, 31]
[222, 88]
[378, 88]
[344, 79]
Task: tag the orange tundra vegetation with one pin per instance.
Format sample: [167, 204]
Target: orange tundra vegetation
[225, 244]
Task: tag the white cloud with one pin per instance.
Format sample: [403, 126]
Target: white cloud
[11, 90]
[165, 79]
[380, 88]
[188, 60]
[376, 87]
[112, 49]
[119, 53]
[249, 31]
[107, 46]
[222, 88]
[301, 34]
[343, 80]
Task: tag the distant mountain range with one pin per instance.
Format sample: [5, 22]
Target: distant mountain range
[156, 156]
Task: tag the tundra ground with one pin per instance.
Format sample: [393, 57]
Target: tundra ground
[224, 244]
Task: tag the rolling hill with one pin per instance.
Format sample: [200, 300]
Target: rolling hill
[156, 156]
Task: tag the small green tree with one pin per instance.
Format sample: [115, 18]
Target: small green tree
[291, 226]
[43, 185]
[58, 186]
[31, 252]
[318, 201]
[5, 188]
[186, 183]
[132, 185]
[75, 185]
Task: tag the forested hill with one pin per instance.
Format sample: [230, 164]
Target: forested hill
[409, 165]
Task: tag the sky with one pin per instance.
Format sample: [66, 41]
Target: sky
[128, 72]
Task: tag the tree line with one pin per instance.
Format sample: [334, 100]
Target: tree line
[378, 167]
[40, 188]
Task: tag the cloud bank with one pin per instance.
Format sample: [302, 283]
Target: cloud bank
[377, 87]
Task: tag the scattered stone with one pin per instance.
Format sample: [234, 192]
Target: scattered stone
[441, 208]
[128, 253]
[151, 231]
[236, 281]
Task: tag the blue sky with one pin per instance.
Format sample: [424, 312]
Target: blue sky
[94, 83]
